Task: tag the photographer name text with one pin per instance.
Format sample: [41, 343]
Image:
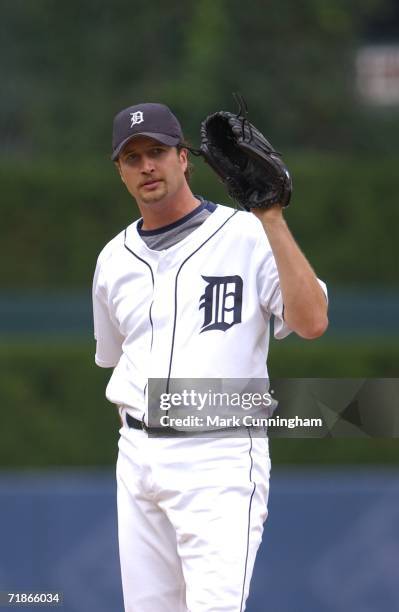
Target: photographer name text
[195, 421]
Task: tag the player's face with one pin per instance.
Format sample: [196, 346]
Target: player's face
[152, 171]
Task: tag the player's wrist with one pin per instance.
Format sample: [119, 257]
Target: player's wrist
[271, 215]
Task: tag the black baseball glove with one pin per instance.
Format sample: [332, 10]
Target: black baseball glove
[253, 172]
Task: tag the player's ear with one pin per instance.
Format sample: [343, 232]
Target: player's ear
[183, 156]
[118, 166]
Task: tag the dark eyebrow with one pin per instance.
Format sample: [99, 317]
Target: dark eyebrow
[156, 145]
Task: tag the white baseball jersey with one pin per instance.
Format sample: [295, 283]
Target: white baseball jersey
[190, 510]
[199, 309]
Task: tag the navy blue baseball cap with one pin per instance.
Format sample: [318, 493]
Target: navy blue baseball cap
[154, 120]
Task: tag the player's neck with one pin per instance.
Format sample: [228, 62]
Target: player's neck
[169, 210]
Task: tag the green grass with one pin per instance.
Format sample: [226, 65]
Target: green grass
[54, 412]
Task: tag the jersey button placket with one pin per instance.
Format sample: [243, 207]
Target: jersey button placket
[162, 316]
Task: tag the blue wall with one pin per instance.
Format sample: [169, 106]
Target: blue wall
[371, 311]
[331, 542]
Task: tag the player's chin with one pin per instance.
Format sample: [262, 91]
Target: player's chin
[155, 195]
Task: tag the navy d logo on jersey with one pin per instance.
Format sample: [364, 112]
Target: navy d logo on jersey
[222, 302]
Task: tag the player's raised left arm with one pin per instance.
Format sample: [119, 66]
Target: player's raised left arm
[305, 305]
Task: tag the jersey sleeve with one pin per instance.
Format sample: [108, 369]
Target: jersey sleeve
[269, 288]
[270, 292]
[106, 333]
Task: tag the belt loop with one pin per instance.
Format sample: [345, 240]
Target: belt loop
[120, 411]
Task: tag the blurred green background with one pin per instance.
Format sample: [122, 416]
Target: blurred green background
[67, 68]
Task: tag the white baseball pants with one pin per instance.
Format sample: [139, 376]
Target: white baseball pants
[190, 520]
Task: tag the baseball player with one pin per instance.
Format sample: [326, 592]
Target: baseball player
[187, 291]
